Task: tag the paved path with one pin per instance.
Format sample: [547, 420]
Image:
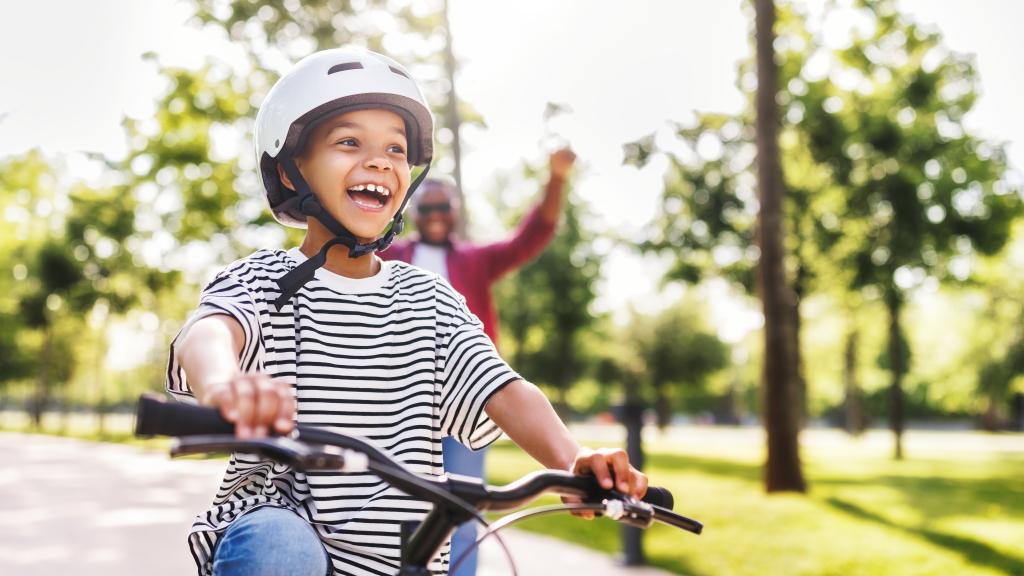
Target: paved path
[91, 509]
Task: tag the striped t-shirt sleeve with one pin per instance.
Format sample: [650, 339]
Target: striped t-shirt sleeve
[226, 295]
[471, 372]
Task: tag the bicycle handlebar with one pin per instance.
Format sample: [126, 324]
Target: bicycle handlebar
[203, 429]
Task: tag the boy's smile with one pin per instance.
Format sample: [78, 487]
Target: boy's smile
[356, 164]
[372, 197]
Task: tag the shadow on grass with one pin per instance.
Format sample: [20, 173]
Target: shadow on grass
[975, 552]
[937, 497]
[713, 466]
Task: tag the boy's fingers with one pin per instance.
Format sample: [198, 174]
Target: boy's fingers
[640, 486]
[220, 396]
[245, 404]
[587, 514]
[268, 402]
[620, 464]
[599, 468]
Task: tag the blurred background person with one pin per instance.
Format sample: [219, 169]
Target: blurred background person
[472, 269]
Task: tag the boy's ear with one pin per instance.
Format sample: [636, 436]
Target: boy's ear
[284, 178]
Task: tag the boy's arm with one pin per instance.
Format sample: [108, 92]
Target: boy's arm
[522, 411]
[209, 355]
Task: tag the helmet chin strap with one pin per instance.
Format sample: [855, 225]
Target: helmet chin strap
[311, 207]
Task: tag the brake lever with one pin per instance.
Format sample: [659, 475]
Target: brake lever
[635, 512]
[629, 511]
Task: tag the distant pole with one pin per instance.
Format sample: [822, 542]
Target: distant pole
[632, 417]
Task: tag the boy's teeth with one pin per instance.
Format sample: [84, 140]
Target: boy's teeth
[375, 188]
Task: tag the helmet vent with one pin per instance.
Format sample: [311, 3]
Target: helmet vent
[399, 72]
[345, 66]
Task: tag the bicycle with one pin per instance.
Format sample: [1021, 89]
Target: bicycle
[201, 430]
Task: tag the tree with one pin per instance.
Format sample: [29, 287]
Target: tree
[68, 245]
[675, 353]
[921, 196]
[884, 187]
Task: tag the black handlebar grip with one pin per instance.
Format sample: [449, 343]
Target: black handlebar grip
[156, 416]
[659, 497]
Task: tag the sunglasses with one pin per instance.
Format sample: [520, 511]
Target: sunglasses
[426, 209]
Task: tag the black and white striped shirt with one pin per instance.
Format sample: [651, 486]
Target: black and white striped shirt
[396, 358]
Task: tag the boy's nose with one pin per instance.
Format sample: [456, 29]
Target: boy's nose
[378, 163]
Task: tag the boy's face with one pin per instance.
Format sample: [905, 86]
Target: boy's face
[356, 165]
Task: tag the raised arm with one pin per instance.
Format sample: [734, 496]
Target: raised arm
[538, 227]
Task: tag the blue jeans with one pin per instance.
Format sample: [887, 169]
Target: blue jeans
[270, 541]
[461, 460]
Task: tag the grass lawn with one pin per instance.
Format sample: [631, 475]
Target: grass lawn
[955, 506]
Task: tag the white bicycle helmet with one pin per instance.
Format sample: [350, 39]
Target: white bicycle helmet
[322, 85]
[319, 86]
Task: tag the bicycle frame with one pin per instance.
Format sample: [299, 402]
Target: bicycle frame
[456, 499]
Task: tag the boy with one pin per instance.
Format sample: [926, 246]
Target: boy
[332, 336]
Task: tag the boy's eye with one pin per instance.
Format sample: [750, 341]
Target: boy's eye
[396, 149]
[347, 142]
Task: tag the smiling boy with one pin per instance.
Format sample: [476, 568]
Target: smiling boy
[328, 334]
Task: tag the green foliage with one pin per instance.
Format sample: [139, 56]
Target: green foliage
[885, 188]
[544, 308]
[265, 27]
[68, 246]
[666, 360]
[919, 191]
[183, 186]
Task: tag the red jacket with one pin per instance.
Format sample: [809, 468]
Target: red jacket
[472, 268]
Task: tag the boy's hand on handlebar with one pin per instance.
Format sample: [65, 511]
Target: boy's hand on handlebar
[254, 403]
[613, 471]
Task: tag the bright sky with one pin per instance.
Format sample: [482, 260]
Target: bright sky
[73, 68]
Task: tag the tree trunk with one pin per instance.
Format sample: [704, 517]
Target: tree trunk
[990, 420]
[98, 378]
[782, 469]
[566, 375]
[662, 406]
[453, 122]
[798, 365]
[853, 412]
[41, 395]
[894, 303]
